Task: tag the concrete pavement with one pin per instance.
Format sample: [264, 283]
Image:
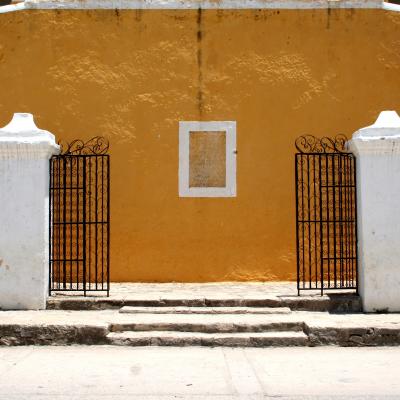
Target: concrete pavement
[156, 373]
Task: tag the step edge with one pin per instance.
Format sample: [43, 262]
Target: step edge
[270, 334]
[213, 327]
[204, 310]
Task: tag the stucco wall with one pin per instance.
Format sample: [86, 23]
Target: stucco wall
[133, 75]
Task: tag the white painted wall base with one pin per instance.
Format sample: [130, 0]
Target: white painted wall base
[377, 149]
[24, 213]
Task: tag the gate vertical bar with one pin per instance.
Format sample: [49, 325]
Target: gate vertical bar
[77, 252]
[64, 188]
[340, 189]
[84, 225]
[108, 224]
[328, 225]
[355, 220]
[89, 200]
[297, 156]
[96, 222]
[352, 217]
[314, 223]
[321, 223]
[102, 222]
[70, 190]
[51, 193]
[302, 216]
[309, 219]
[334, 219]
[59, 208]
[344, 244]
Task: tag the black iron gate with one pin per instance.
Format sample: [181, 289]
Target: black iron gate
[326, 214]
[80, 217]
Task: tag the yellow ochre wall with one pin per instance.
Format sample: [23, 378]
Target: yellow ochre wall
[133, 75]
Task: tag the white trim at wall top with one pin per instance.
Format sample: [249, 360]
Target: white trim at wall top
[192, 4]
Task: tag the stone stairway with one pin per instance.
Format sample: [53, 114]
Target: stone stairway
[207, 326]
[206, 314]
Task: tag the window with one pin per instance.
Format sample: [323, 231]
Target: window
[207, 159]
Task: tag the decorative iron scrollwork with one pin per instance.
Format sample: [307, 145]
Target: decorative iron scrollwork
[312, 144]
[98, 145]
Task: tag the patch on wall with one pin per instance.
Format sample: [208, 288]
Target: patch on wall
[207, 159]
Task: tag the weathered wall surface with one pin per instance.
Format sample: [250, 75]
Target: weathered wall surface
[133, 75]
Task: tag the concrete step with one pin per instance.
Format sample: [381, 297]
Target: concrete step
[332, 302]
[207, 323]
[175, 338]
[204, 310]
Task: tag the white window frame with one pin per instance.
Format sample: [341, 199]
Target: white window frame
[229, 127]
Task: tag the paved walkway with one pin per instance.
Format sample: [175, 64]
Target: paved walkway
[112, 373]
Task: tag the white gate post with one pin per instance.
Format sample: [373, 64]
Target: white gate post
[25, 151]
[377, 150]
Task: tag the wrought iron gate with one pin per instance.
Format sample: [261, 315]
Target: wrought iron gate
[326, 214]
[80, 217]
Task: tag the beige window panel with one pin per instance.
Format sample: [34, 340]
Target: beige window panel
[207, 159]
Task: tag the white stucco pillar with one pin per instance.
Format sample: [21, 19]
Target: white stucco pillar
[377, 150]
[25, 151]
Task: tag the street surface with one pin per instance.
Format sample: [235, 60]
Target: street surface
[166, 373]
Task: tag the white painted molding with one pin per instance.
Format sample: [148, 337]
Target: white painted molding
[185, 127]
[12, 7]
[391, 6]
[21, 138]
[191, 4]
[382, 137]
